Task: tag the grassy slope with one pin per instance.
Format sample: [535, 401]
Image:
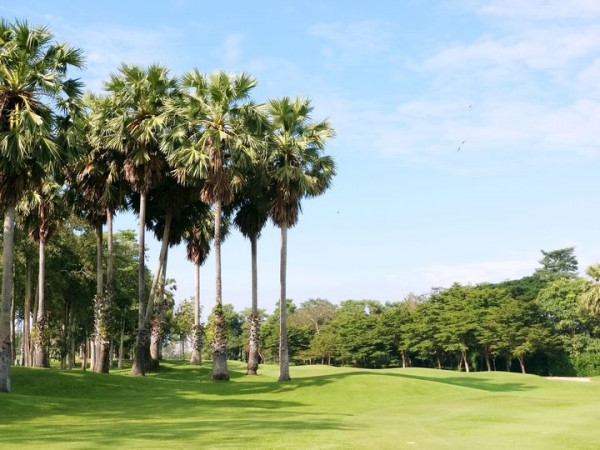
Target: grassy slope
[322, 407]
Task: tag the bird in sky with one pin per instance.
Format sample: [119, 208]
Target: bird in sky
[461, 144]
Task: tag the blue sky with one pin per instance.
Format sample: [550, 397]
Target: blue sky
[515, 85]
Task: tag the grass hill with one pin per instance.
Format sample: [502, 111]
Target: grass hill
[322, 407]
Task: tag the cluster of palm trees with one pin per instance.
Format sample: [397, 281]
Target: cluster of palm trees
[186, 153]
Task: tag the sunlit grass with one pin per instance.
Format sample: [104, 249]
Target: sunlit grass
[322, 407]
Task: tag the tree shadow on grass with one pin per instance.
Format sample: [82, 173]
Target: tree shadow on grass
[98, 410]
[467, 381]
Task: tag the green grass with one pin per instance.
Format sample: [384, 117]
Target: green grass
[322, 407]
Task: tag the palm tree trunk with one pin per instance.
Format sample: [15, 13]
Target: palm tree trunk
[197, 331]
[284, 365]
[159, 319]
[111, 257]
[162, 258]
[27, 312]
[219, 371]
[7, 281]
[252, 367]
[13, 354]
[142, 338]
[104, 299]
[121, 344]
[102, 342]
[40, 347]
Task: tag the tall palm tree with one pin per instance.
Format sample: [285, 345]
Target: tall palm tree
[34, 89]
[199, 236]
[166, 218]
[252, 214]
[43, 209]
[215, 144]
[298, 169]
[135, 128]
[97, 192]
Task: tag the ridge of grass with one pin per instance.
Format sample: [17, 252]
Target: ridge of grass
[322, 407]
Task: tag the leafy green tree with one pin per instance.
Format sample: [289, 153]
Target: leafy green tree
[183, 323]
[34, 91]
[560, 305]
[314, 314]
[298, 169]
[556, 263]
[234, 330]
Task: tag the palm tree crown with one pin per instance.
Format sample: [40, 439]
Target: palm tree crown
[297, 166]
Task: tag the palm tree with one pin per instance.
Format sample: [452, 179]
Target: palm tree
[214, 144]
[135, 128]
[43, 209]
[98, 191]
[252, 213]
[33, 91]
[165, 218]
[591, 296]
[298, 169]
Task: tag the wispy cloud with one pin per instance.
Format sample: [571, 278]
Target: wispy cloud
[473, 272]
[542, 9]
[353, 39]
[105, 47]
[230, 50]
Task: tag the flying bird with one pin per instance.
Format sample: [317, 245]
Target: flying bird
[461, 144]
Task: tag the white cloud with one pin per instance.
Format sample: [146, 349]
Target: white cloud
[230, 51]
[105, 48]
[539, 49]
[473, 272]
[541, 9]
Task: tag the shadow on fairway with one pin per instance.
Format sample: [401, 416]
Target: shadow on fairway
[467, 381]
[116, 411]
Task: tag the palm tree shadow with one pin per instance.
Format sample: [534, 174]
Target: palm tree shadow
[465, 381]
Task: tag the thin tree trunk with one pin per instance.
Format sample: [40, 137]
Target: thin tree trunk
[84, 354]
[65, 335]
[403, 355]
[197, 330]
[284, 367]
[464, 357]
[40, 344]
[252, 367]
[71, 362]
[101, 339]
[32, 329]
[487, 359]
[219, 370]
[12, 327]
[142, 338]
[27, 311]
[159, 319]
[121, 344]
[92, 349]
[521, 363]
[7, 281]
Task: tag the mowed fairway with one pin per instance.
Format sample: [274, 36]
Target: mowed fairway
[322, 407]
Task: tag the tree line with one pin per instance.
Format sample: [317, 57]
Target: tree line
[546, 323]
[191, 155]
